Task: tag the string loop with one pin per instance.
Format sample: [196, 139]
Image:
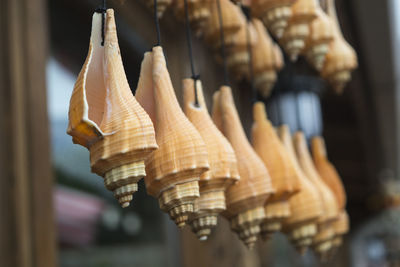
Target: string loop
[103, 11]
[223, 52]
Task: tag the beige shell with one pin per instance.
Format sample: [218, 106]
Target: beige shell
[341, 227]
[105, 117]
[305, 206]
[321, 35]
[173, 171]
[265, 59]
[341, 59]
[297, 31]
[269, 148]
[274, 13]
[232, 19]
[245, 200]
[162, 5]
[223, 164]
[198, 12]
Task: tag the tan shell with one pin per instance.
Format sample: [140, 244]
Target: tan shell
[173, 171]
[327, 171]
[223, 164]
[341, 59]
[162, 5]
[321, 35]
[341, 227]
[265, 59]
[269, 148]
[232, 18]
[105, 117]
[198, 12]
[245, 200]
[274, 13]
[297, 31]
[279, 63]
[305, 206]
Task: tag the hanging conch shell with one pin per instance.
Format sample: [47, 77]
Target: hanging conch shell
[265, 59]
[305, 206]
[245, 200]
[173, 171]
[105, 117]
[161, 6]
[341, 59]
[321, 35]
[232, 19]
[279, 63]
[274, 13]
[223, 165]
[322, 242]
[238, 57]
[330, 176]
[297, 31]
[283, 174]
[198, 12]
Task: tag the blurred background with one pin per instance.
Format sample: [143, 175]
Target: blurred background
[55, 212]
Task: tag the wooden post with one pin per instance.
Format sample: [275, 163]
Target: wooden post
[27, 235]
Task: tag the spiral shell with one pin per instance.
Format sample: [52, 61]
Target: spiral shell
[198, 13]
[223, 164]
[105, 117]
[173, 171]
[245, 200]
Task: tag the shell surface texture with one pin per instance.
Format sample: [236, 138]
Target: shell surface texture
[269, 148]
[173, 171]
[198, 12]
[297, 31]
[341, 58]
[274, 13]
[223, 164]
[321, 35]
[322, 242]
[245, 199]
[305, 206]
[105, 117]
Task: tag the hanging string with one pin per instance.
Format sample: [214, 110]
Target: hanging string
[157, 23]
[103, 11]
[247, 12]
[195, 77]
[223, 52]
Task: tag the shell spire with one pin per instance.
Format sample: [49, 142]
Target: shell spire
[269, 148]
[223, 164]
[245, 200]
[297, 31]
[322, 242]
[305, 206]
[173, 171]
[105, 117]
[274, 13]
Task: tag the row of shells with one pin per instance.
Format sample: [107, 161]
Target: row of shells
[199, 165]
[300, 27]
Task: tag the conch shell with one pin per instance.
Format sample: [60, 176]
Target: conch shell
[330, 176]
[245, 200]
[266, 58]
[173, 171]
[341, 59]
[198, 13]
[305, 206]
[105, 117]
[274, 13]
[161, 6]
[232, 20]
[322, 242]
[269, 148]
[223, 164]
[297, 31]
[321, 35]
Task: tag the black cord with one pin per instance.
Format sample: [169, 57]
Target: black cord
[247, 12]
[190, 48]
[223, 52]
[157, 23]
[103, 11]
